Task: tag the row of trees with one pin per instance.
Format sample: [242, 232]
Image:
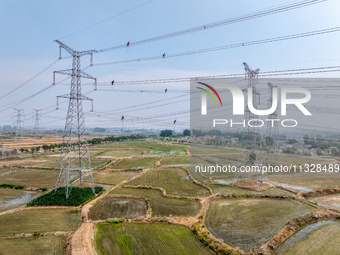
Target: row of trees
[93, 141]
[168, 132]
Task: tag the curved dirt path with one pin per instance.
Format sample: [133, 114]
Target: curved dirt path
[82, 240]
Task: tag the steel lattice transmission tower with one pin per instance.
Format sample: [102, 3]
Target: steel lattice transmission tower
[251, 153]
[37, 118]
[75, 162]
[19, 122]
[273, 129]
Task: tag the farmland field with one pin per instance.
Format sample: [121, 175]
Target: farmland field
[112, 178]
[174, 181]
[38, 220]
[238, 191]
[44, 245]
[304, 182]
[134, 163]
[13, 198]
[139, 238]
[329, 201]
[176, 161]
[153, 147]
[319, 238]
[205, 150]
[162, 206]
[114, 153]
[114, 207]
[31, 178]
[246, 223]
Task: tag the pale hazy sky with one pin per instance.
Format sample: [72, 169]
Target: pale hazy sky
[28, 27]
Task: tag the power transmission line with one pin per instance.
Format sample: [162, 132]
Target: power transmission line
[224, 47]
[254, 15]
[81, 30]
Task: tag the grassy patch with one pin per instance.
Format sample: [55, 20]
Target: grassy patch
[174, 181]
[55, 245]
[247, 223]
[114, 207]
[112, 178]
[134, 163]
[31, 178]
[38, 220]
[139, 238]
[163, 206]
[77, 197]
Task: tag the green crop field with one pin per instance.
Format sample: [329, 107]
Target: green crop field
[31, 178]
[44, 245]
[114, 207]
[13, 198]
[163, 206]
[112, 178]
[174, 181]
[134, 163]
[38, 220]
[175, 161]
[247, 223]
[139, 238]
[323, 240]
[238, 191]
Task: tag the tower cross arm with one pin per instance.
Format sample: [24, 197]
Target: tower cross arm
[73, 52]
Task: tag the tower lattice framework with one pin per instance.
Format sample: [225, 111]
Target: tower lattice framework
[273, 131]
[19, 122]
[37, 118]
[74, 162]
[251, 137]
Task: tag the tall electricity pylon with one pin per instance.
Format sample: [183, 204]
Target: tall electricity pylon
[251, 153]
[37, 118]
[19, 121]
[272, 130]
[75, 162]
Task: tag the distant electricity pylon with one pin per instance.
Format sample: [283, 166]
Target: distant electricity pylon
[75, 162]
[250, 142]
[19, 115]
[37, 118]
[273, 133]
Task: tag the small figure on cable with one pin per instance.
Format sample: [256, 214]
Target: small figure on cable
[163, 55]
[166, 90]
[174, 121]
[128, 44]
[122, 118]
[112, 82]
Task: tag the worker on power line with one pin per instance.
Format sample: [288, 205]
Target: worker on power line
[174, 121]
[128, 44]
[163, 55]
[112, 82]
[122, 118]
[166, 90]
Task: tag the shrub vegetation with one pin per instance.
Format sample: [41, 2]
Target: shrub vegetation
[77, 197]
